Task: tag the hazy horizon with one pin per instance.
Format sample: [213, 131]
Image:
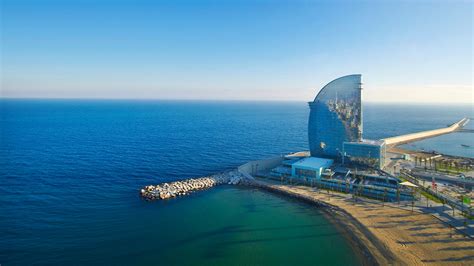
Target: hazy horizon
[407, 52]
[227, 100]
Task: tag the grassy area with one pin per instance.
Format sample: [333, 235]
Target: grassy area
[429, 196]
[424, 193]
[452, 170]
[470, 217]
[435, 199]
[402, 178]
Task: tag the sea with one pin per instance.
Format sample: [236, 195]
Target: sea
[71, 170]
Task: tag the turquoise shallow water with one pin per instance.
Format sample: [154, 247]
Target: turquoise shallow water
[70, 172]
[220, 226]
[231, 226]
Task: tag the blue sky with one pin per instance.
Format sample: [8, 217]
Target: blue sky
[407, 51]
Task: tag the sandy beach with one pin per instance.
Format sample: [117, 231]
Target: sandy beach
[387, 234]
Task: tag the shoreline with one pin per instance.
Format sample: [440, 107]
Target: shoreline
[388, 235]
[352, 231]
[379, 233]
[368, 249]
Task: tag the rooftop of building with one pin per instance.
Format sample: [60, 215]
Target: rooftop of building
[313, 162]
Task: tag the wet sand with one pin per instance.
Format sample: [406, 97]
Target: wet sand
[388, 235]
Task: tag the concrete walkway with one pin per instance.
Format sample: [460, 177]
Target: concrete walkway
[394, 141]
[446, 214]
[427, 206]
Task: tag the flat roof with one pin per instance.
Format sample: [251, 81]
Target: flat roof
[290, 161]
[313, 162]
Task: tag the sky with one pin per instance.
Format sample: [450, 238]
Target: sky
[406, 51]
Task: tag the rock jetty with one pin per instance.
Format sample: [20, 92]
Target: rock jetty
[180, 188]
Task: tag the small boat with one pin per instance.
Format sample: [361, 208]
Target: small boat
[466, 146]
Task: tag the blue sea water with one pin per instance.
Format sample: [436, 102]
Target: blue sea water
[70, 171]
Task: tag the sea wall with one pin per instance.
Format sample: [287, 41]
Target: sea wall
[251, 168]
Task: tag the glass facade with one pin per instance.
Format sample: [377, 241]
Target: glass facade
[368, 153]
[310, 167]
[306, 173]
[335, 117]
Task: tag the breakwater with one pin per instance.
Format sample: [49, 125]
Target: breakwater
[184, 187]
[243, 175]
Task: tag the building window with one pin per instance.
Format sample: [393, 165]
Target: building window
[305, 173]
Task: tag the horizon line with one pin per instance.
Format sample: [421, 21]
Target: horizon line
[218, 100]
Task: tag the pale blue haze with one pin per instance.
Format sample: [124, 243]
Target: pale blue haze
[418, 51]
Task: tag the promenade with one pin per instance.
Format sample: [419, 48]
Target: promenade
[392, 233]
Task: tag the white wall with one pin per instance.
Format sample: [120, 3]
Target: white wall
[266, 164]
